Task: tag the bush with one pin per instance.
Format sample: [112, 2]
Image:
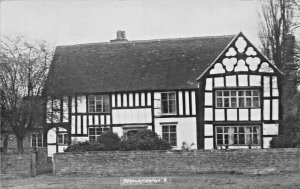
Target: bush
[106, 142]
[84, 147]
[290, 138]
[143, 140]
[110, 141]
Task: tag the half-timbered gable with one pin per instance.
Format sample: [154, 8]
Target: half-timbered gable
[124, 86]
[241, 98]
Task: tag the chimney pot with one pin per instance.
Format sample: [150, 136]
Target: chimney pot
[119, 34]
[121, 37]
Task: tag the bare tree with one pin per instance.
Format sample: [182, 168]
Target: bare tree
[23, 70]
[278, 23]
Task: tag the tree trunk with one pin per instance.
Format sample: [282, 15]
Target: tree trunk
[298, 106]
[20, 143]
[5, 143]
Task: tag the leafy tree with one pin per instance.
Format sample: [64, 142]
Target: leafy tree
[143, 140]
[23, 70]
[290, 138]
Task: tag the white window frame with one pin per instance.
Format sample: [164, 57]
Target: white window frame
[36, 136]
[96, 134]
[168, 104]
[233, 135]
[92, 108]
[167, 135]
[64, 135]
[237, 98]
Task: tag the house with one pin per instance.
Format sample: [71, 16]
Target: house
[216, 92]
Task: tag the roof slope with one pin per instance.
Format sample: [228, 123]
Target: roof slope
[136, 65]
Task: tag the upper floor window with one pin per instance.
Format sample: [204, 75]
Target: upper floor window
[237, 99]
[36, 140]
[62, 138]
[169, 134]
[99, 103]
[168, 103]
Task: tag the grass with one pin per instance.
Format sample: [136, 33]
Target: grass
[224, 180]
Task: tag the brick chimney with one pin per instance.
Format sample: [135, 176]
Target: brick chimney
[121, 37]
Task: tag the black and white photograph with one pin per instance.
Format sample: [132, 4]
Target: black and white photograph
[149, 94]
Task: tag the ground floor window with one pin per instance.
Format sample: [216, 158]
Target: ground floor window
[238, 135]
[62, 138]
[131, 133]
[169, 134]
[36, 140]
[95, 132]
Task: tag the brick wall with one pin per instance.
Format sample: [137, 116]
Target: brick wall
[18, 164]
[255, 161]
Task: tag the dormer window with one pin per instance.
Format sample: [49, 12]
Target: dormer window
[168, 103]
[99, 104]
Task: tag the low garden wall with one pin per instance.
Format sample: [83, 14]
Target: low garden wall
[137, 163]
[18, 164]
[29, 163]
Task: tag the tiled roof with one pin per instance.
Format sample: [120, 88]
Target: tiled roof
[135, 65]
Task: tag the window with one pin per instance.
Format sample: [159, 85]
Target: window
[169, 134]
[36, 140]
[131, 133]
[99, 103]
[62, 138]
[95, 132]
[237, 99]
[237, 135]
[168, 103]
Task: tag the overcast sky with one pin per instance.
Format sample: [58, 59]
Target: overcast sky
[85, 21]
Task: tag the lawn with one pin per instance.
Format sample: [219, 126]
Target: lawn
[281, 180]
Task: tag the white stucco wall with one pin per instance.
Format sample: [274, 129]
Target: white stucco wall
[125, 116]
[186, 129]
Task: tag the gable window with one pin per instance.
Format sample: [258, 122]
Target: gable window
[99, 103]
[237, 99]
[62, 138]
[36, 140]
[237, 135]
[168, 103]
[169, 134]
[95, 132]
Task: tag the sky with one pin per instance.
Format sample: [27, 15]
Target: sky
[65, 22]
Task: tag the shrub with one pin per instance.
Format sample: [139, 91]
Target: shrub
[110, 141]
[290, 137]
[84, 147]
[187, 147]
[143, 140]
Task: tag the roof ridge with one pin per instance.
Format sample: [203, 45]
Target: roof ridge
[149, 40]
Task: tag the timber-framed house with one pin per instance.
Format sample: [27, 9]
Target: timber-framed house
[214, 92]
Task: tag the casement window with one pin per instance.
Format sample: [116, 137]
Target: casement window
[62, 138]
[238, 135]
[237, 99]
[98, 103]
[168, 103]
[36, 140]
[169, 134]
[95, 132]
